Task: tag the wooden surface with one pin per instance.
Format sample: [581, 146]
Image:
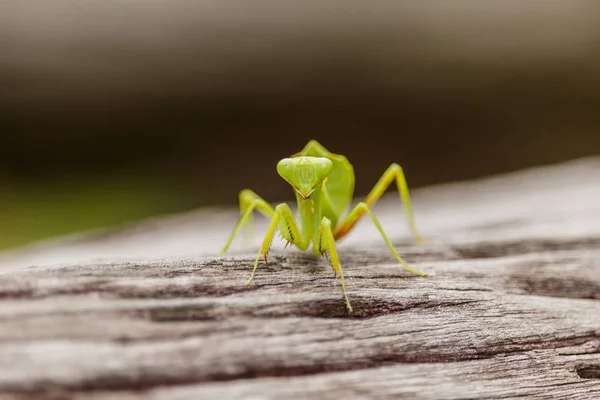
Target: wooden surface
[150, 311]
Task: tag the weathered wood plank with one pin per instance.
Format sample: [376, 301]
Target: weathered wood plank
[149, 311]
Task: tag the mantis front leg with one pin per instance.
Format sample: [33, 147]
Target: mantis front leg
[284, 218]
[349, 222]
[327, 242]
[394, 172]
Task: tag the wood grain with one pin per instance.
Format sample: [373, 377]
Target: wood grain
[150, 311]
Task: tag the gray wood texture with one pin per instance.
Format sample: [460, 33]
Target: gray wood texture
[150, 311]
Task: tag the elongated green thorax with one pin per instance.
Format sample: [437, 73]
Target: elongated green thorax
[309, 213]
[306, 176]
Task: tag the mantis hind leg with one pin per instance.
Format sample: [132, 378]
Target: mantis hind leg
[249, 201]
[284, 219]
[348, 223]
[394, 172]
[327, 242]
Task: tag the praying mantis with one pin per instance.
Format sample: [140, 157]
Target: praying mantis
[323, 184]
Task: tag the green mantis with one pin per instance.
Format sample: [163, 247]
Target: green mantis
[323, 184]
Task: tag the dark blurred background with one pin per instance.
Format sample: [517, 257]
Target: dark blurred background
[112, 111]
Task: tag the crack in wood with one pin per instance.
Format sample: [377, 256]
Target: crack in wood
[367, 308]
[589, 372]
[116, 382]
[507, 249]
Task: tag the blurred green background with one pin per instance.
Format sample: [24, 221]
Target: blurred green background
[115, 111]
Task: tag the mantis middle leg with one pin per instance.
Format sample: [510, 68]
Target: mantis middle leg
[394, 172]
[349, 222]
[248, 202]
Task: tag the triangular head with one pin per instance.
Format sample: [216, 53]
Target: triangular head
[304, 174]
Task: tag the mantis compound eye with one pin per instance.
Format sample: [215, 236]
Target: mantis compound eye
[324, 166]
[285, 168]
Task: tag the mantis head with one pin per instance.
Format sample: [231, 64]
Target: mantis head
[305, 174]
